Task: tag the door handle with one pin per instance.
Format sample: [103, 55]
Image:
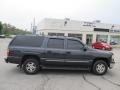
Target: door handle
[68, 52]
[49, 51]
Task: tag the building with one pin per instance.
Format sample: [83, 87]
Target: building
[88, 32]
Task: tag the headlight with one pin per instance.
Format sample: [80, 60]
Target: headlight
[107, 46]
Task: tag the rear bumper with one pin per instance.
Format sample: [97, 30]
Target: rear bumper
[112, 64]
[12, 59]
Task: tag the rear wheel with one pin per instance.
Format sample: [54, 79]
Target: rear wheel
[31, 66]
[100, 67]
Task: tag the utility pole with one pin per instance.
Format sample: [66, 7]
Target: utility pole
[33, 27]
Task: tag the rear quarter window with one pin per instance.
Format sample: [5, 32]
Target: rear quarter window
[27, 41]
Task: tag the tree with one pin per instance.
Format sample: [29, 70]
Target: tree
[8, 29]
[1, 27]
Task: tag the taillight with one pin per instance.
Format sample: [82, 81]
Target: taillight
[9, 53]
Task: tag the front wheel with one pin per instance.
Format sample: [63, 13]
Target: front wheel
[100, 67]
[31, 66]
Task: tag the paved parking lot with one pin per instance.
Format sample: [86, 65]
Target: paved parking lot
[11, 78]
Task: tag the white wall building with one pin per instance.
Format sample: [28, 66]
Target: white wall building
[88, 32]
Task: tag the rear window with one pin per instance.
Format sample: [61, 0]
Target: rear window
[29, 41]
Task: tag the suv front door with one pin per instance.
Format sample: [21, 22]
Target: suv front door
[76, 56]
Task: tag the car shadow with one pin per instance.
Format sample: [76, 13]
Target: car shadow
[63, 72]
[16, 70]
[19, 71]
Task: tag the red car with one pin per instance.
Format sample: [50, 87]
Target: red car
[102, 46]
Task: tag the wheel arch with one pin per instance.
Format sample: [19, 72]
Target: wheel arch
[25, 57]
[103, 59]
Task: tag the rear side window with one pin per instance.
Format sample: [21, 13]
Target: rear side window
[55, 43]
[31, 41]
[74, 44]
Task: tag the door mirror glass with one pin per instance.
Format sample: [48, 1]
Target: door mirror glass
[85, 48]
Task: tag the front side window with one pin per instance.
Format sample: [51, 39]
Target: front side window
[74, 44]
[55, 43]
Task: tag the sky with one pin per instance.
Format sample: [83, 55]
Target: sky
[20, 13]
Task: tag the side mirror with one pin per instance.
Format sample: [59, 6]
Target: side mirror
[85, 48]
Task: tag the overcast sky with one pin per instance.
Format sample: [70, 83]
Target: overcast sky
[21, 12]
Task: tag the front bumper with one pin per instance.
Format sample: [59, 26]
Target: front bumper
[112, 63]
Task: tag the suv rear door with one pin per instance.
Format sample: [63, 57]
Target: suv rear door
[55, 52]
[76, 56]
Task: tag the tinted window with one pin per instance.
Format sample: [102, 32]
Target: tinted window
[74, 44]
[56, 34]
[75, 35]
[55, 43]
[31, 41]
[101, 30]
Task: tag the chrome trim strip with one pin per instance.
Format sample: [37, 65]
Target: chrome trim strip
[78, 61]
[65, 60]
[61, 60]
[43, 58]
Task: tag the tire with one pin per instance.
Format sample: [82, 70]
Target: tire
[31, 66]
[100, 67]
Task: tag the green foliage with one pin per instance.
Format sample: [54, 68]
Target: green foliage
[8, 29]
[1, 27]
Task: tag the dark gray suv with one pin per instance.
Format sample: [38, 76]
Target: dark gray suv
[33, 53]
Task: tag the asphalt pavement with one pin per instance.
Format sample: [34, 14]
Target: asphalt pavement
[12, 78]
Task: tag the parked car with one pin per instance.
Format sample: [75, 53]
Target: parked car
[32, 53]
[2, 36]
[10, 36]
[113, 43]
[102, 46]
